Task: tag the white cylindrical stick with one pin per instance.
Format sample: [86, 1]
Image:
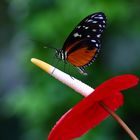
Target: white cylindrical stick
[72, 82]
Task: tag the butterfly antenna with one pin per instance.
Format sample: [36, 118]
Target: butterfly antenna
[44, 45]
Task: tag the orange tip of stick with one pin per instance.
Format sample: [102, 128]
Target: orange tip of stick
[45, 66]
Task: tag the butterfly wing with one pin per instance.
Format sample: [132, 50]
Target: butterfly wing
[82, 53]
[84, 42]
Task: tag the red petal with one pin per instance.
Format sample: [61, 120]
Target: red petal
[88, 113]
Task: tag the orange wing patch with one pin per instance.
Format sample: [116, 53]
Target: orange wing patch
[81, 57]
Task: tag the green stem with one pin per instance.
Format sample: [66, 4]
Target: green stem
[120, 121]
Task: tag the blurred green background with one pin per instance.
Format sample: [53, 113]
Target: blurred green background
[31, 101]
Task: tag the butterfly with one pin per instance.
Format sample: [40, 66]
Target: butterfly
[83, 44]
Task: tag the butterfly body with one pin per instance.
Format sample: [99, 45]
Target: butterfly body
[84, 42]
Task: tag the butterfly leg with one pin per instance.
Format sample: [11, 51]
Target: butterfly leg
[82, 70]
[57, 62]
[64, 65]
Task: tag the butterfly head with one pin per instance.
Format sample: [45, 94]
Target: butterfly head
[59, 54]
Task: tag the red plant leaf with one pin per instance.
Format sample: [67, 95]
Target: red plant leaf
[88, 113]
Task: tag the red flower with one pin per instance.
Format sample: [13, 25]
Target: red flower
[88, 113]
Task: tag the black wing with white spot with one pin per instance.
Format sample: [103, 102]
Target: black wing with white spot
[91, 28]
